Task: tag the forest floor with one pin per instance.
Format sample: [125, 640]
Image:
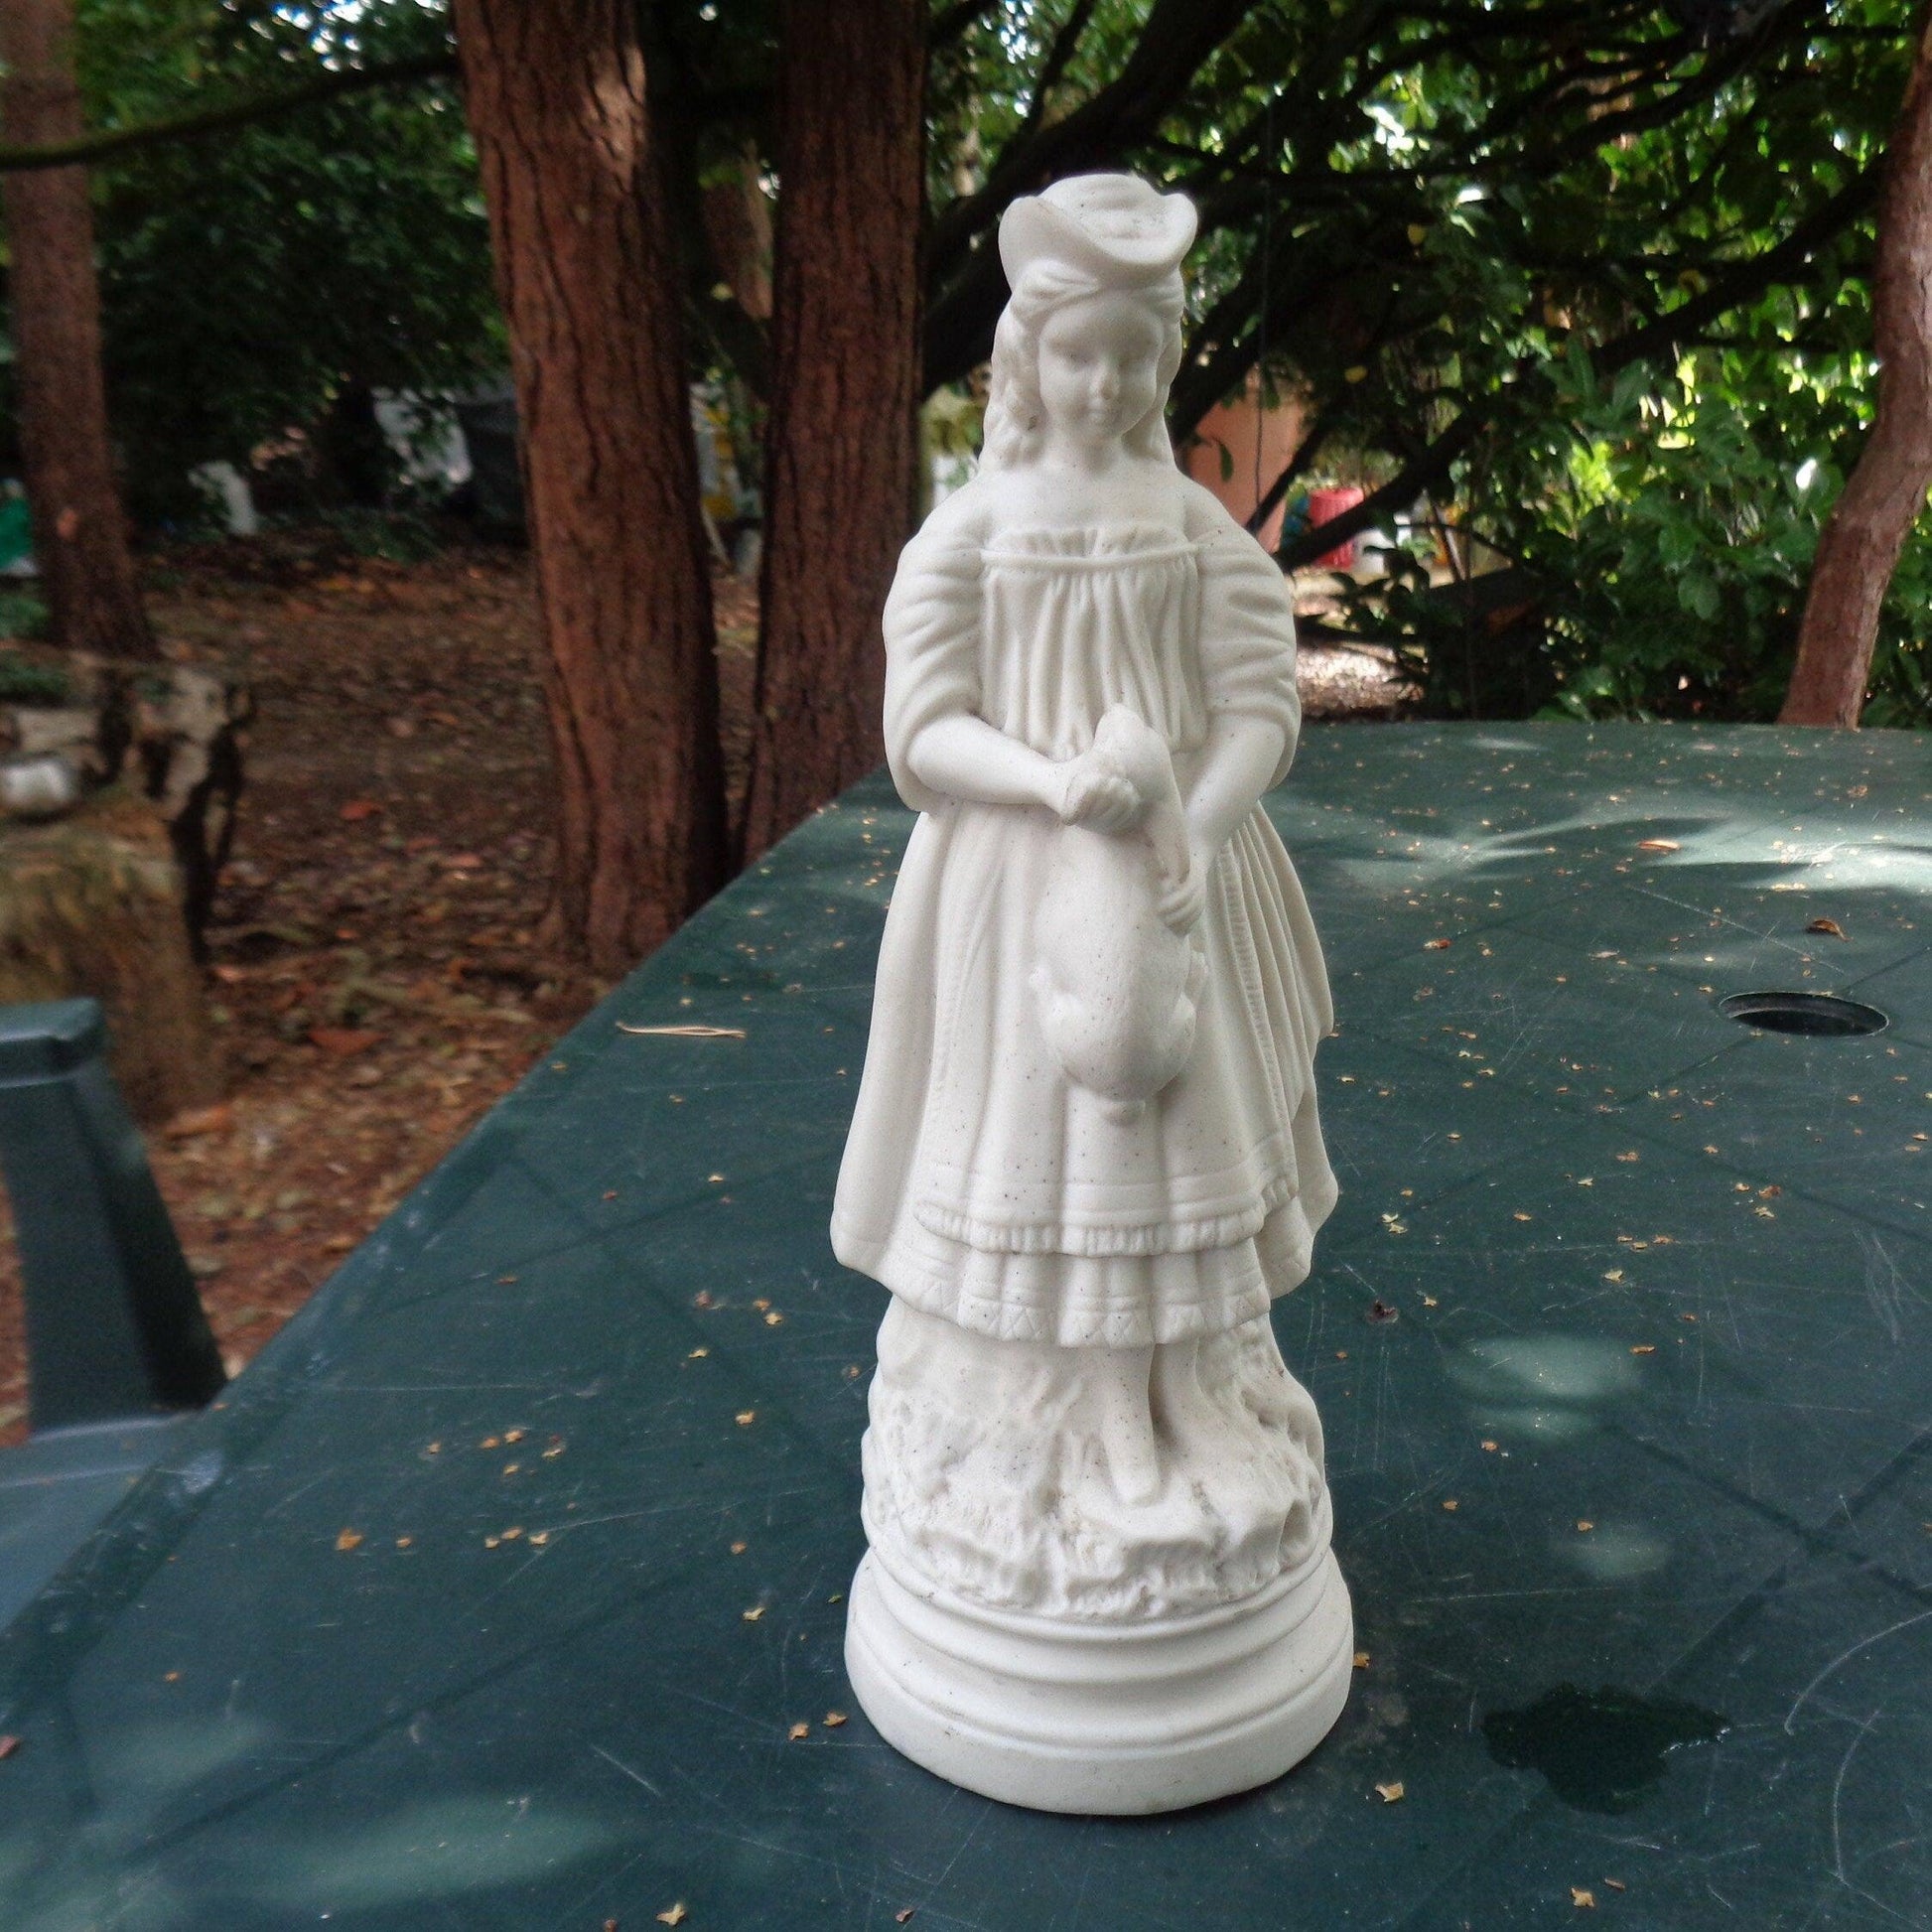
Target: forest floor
[375, 968]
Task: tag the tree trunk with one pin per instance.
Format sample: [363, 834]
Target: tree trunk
[1860, 544]
[586, 264]
[841, 448]
[79, 536]
[738, 223]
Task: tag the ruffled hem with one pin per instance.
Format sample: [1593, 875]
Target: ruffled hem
[1146, 1238]
[1078, 1300]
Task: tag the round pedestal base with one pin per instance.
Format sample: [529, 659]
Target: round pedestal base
[1103, 1717]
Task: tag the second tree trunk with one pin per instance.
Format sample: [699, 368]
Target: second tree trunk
[1883, 498]
[586, 263]
[841, 448]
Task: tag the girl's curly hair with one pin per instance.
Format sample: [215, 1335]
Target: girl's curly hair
[1012, 407]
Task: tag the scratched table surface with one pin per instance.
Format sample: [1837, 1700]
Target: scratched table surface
[505, 1591]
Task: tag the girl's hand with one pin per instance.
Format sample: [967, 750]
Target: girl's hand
[1100, 798]
[1184, 900]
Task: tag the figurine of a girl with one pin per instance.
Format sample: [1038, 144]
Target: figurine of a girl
[1085, 1156]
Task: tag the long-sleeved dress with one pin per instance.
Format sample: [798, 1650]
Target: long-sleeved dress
[979, 1183]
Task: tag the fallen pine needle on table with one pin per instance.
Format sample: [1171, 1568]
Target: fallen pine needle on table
[686, 1032]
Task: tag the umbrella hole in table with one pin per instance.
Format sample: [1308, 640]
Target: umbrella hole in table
[1821, 1015]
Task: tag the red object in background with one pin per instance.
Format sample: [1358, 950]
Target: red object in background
[1323, 506]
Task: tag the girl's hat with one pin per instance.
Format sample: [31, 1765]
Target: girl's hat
[1116, 228]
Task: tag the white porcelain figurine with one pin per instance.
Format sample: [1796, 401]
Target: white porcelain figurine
[1085, 1157]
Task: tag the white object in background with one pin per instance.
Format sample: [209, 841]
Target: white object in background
[227, 489]
[42, 784]
[948, 475]
[1085, 1156]
[425, 437]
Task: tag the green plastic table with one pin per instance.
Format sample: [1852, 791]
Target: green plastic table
[505, 1589]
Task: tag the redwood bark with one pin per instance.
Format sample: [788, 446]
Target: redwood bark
[737, 223]
[842, 444]
[1860, 544]
[94, 598]
[587, 267]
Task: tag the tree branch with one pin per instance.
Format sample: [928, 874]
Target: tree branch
[1662, 333]
[218, 120]
[1173, 44]
[1066, 45]
[1313, 435]
[1747, 278]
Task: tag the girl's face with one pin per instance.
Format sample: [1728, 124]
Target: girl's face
[1099, 367]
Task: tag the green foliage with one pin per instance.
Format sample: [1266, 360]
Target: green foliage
[1664, 509]
[396, 536]
[1592, 280]
[250, 278]
[1662, 530]
[1663, 526]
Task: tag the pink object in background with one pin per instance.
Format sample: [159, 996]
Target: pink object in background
[1323, 506]
[1233, 428]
